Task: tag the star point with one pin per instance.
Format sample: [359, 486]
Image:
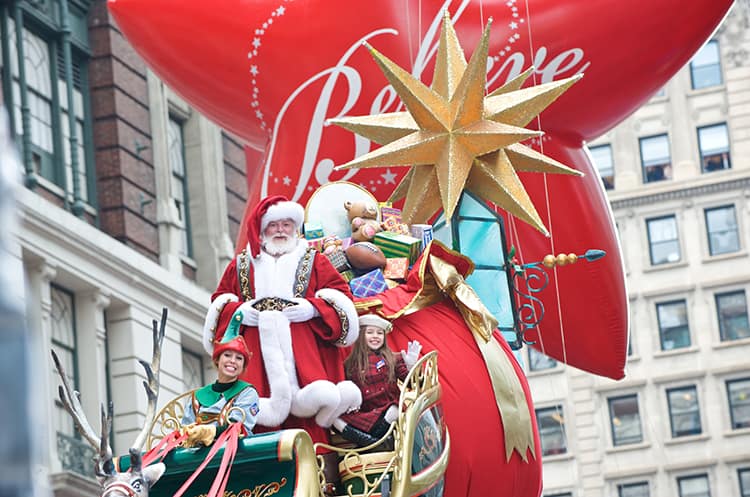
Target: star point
[454, 138]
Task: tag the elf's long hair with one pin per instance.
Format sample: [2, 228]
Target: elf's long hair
[358, 362]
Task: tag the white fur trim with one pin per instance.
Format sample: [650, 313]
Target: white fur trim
[283, 210]
[346, 304]
[275, 409]
[212, 318]
[320, 395]
[351, 396]
[274, 276]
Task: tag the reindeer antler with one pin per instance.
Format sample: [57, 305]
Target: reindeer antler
[152, 384]
[71, 400]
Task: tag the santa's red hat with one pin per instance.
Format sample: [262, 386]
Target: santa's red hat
[273, 208]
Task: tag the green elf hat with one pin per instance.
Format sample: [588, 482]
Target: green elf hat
[232, 340]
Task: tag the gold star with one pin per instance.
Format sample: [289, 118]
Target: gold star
[455, 138]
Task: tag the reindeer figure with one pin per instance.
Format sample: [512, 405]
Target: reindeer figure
[137, 481]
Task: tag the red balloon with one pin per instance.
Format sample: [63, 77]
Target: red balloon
[274, 71]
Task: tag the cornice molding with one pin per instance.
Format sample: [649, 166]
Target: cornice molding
[680, 193]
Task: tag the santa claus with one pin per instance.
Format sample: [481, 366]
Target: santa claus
[297, 314]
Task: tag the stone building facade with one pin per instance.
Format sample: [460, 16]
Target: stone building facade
[136, 209]
[678, 177]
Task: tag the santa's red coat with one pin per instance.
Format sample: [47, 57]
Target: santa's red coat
[315, 353]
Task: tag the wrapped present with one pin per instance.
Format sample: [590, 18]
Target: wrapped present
[339, 261]
[423, 232]
[397, 245]
[390, 213]
[392, 225]
[369, 284]
[348, 275]
[396, 268]
[313, 231]
[391, 283]
[317, 244]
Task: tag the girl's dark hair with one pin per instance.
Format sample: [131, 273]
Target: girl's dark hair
[357, 364]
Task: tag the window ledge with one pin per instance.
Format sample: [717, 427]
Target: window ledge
[675, 352]
[558, 457]
[661, 267]
[687, 439]
[730, 343]
[556, 370]
[706, 90]
[188, 261]
[627, 448]
[739, 432]
[708, 259]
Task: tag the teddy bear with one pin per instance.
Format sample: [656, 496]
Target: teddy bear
[363, 217]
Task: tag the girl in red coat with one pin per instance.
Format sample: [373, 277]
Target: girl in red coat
[375, 369]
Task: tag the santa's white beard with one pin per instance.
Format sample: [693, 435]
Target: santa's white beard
[279, 244]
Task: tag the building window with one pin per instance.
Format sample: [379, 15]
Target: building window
[625, 420]
[71, 450]
[743, 475]
[551, 425]
[705, 67]
[693, 486]
[731, 308]
[723, 233]
[674, 331]
[636, 489]
[713, 142]
[179, 189]
[684, 412]
[655, 158]
[663, 240]
[45, 88]
[738, 392]
[539, 361]
[192, 370]
[602, 156]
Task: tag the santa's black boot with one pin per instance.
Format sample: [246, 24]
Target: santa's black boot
[358, 436]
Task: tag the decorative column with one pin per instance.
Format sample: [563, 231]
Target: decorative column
[39, 308]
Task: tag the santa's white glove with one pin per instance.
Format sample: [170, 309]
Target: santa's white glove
[411, 355]
[249, 314]
[303, 311]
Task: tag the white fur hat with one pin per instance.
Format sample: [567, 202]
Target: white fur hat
[375, 320]
[283, 210]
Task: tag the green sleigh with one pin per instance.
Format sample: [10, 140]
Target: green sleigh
[284, 463]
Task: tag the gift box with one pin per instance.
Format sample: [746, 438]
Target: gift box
[339, 261]
[397, 245]
[423, 232]
[313, 231]
[390, 213]
[369, 284]
[317, 244]
[348, 275]
[394, 226]
[396, 268]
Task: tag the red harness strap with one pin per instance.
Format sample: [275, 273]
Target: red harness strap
[228, 439]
